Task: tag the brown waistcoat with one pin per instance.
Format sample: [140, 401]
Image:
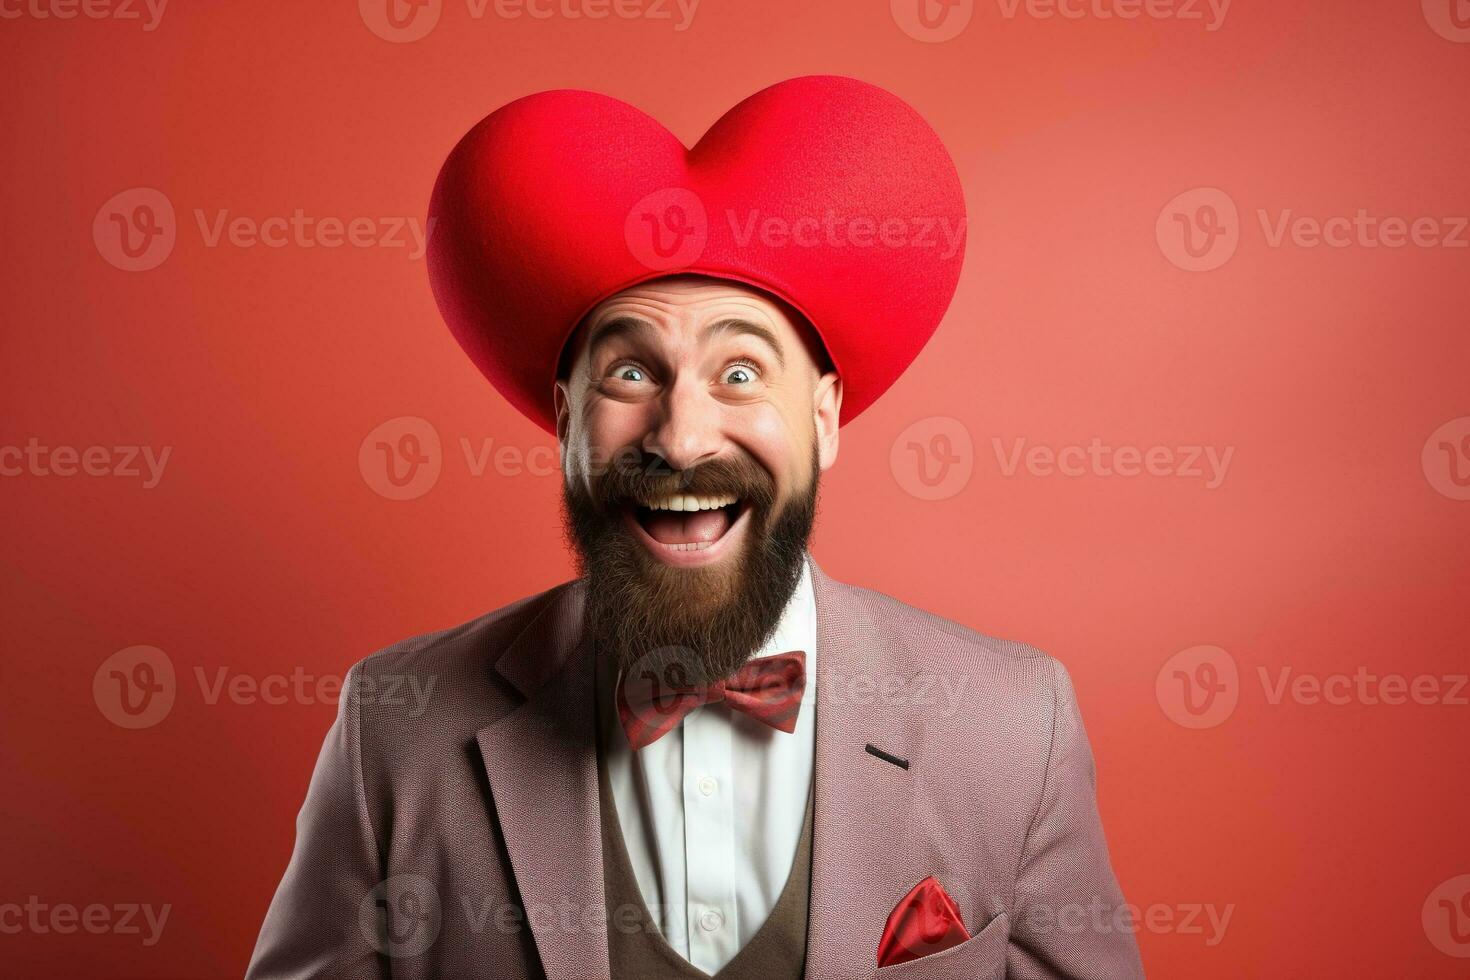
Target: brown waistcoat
[637, 949]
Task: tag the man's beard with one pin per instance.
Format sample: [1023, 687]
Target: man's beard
[694, 625]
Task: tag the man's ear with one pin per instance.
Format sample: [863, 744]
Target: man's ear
[561, 400]
[827, 410]
[561, 395]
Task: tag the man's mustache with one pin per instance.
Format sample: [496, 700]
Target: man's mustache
[648, 477]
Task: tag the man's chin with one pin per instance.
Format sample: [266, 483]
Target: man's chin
[687, 587]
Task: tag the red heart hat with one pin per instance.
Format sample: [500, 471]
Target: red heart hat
[827, 192]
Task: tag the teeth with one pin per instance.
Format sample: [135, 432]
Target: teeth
[688, 502]
[690, 546]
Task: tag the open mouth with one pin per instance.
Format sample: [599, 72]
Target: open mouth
[687, 528]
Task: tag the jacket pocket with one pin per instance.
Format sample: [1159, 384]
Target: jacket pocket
[981, 957]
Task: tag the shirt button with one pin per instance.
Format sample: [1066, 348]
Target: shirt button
[711, 920]
[707, 785]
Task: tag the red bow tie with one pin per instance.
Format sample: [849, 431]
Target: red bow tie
[766, 688]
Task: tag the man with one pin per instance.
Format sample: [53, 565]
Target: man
[704, 756]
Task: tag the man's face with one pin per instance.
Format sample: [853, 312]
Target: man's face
[694, 422]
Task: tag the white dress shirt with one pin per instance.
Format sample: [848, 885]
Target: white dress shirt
[712, 812]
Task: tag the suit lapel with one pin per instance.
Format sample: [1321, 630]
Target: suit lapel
[864, 805]
[541, 760]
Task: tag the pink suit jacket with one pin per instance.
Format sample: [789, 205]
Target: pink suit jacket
[458, 835]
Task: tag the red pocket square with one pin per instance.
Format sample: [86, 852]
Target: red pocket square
[924, 922]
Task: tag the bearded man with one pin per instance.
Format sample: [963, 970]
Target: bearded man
[702, 757]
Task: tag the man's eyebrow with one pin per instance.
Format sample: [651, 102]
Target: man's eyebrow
[620, 326]
[737, 325]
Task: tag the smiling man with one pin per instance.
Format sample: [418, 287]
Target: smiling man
[703, 756]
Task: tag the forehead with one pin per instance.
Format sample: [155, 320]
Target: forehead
[679, 309]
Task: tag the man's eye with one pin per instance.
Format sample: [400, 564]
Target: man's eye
[628, 373]
[738, 374]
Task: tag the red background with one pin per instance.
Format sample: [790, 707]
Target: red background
[265, 549]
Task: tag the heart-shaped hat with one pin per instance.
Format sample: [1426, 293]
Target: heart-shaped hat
[826, 192]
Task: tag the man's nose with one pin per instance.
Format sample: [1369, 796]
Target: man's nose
[688, 428]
